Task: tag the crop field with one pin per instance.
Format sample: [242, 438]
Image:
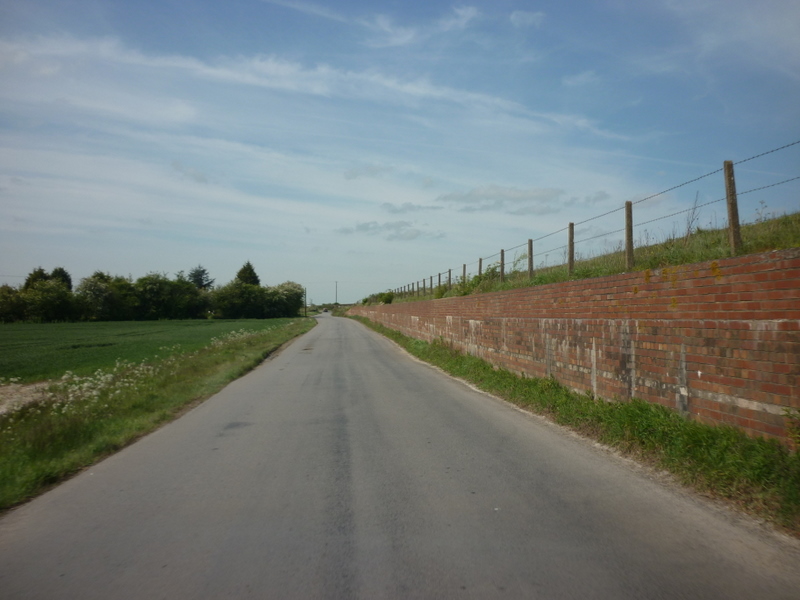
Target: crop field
[109, 383]
[35, 352]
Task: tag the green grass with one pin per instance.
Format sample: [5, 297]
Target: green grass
[702, 245]
[35, 352]
[83, 418]
[760, 476]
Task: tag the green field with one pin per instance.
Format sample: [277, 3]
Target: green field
[110, 383]
[35, 352]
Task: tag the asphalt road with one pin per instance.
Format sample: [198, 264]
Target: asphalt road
[342, 468]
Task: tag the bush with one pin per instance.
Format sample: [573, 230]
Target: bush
[48, 300]
[385, 298]
[102, 297]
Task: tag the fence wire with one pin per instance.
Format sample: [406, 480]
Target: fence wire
[488, 262]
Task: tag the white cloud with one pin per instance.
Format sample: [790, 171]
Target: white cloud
[406, 207]
[764, 33]
[393, 231]
[388, 34]
[125, 84]
[494, 198]
[580, 79]
[463, 16]
[366, 171]
[260, 71]
[309, 8]
[523, 18]
[189, 172]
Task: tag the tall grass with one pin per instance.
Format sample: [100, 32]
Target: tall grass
[761, 476]
[695, 245]
[82, 418]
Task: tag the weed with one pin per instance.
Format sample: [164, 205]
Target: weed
[792, 416]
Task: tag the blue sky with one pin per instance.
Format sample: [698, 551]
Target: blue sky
[376, 143]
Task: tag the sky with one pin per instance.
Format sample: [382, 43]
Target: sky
[356, 147]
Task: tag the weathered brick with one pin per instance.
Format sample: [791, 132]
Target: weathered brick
[737, 321]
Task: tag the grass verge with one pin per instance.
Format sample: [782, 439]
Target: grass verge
[699, 245]
[81, 419]
[759, 476]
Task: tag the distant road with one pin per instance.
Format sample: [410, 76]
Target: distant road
[342, 468]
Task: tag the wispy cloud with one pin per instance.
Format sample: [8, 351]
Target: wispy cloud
[393, 231]
[387, 33]
[762, 34]
[524, 18]
[461, 18]
[406, 207]
[29, 56]
[189, 172]
[496, 198]
[366, 171]
[119, 97]
[309, 8]
[580, 79]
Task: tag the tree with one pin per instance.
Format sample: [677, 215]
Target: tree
[38, 274]
[247, 274]
[106, 298]
[154, 293]
[187, 300]
[12, 304]
[200, 278]
[238, 300]
[287, 299]
[61, 274]
[48, 300]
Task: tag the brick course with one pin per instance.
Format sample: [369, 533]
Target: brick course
[718, 341]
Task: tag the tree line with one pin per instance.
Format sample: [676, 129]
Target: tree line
[50, 297]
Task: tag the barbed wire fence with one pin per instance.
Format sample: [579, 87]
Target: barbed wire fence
[497, 266]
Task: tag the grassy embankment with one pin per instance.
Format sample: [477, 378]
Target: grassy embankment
[760, 476]
[115, 382]
[699, 245]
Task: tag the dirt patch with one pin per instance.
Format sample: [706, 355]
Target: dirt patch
[15, 394]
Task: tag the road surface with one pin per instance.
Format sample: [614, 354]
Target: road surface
[342, 468]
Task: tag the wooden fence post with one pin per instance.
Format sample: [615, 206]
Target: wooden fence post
[449, 279]
[734, 232]
[629, 236]
[502, 265]
[464, 275]
[480, 267]
[530, 259]
[571, 248]
[440, 280]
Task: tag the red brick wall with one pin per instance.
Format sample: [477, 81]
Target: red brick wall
[719, 341]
